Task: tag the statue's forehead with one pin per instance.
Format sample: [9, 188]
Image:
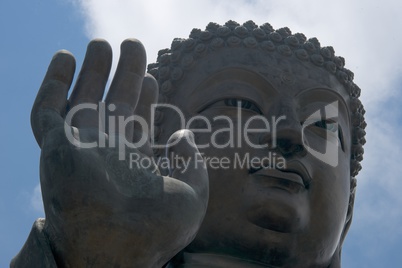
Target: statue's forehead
[254, 67]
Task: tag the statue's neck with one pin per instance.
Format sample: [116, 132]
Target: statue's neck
[199, 260]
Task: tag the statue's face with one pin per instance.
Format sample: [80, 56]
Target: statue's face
[291, 208]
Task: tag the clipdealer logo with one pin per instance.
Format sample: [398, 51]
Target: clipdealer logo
[329, 113]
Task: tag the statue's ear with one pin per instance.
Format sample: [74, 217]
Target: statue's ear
[349, 214]
[336, 260]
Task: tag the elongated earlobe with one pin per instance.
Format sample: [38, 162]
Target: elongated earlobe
[336, 259]
[349, 214]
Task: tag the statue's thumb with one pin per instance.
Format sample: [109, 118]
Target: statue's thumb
[186, 162]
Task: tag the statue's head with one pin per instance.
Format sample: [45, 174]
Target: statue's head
[278, 120]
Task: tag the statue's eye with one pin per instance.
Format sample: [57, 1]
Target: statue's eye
[333, 127]
[328, 125]
[244, 104]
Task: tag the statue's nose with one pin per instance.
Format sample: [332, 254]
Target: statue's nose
[286, 132]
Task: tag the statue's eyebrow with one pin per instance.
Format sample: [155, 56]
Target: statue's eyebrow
[328, 91]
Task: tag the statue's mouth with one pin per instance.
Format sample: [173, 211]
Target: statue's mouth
[293, 178]
[279, 179]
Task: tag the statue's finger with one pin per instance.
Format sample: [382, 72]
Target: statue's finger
[186, 162]
[143, 113]
[50, 103]
[90, 85]
[126, 85]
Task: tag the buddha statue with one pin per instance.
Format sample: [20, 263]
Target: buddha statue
[240, 148]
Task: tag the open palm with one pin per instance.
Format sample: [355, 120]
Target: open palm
[100, 210]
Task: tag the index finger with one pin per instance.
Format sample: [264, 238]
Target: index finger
[50, 103]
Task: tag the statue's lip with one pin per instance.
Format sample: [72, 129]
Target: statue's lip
[297, 167]
[295, 172]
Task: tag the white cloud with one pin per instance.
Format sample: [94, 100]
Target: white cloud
[36, 200]
[363, 32]
[366, 33]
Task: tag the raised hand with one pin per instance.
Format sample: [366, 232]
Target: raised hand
[100, 210]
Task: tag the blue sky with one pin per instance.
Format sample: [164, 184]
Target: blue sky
[366, 34]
